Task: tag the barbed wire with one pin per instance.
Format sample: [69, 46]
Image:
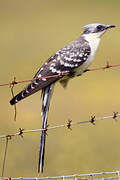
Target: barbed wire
[14, 82]
[21, 131]
[93, 176]
[92, 120]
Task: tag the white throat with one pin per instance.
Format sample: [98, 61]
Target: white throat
[94, 40]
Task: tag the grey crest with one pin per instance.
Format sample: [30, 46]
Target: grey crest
[96, 28]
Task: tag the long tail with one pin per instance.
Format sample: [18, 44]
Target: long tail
[46, 94]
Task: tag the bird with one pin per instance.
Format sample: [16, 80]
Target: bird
[73, 60]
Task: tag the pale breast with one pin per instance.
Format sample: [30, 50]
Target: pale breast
[94, 43]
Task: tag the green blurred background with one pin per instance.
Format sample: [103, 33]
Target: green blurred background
[30, 32]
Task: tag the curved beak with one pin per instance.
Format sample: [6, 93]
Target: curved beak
[110, 26]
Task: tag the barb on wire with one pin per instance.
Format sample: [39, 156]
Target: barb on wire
[107, 66]
[95, 176]
[115, 115]
[93, 120]
[70, 123]
[46, 128]
[21, 132]
[14, 82]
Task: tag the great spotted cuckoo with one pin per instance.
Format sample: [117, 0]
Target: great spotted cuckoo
[73, 60]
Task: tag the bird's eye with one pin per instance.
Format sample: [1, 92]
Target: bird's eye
[100, 28]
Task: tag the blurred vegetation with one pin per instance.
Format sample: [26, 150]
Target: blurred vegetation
[30, 32]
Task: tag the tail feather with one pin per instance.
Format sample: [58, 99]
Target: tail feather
[46, 94]
[33, 87]
[27, 91]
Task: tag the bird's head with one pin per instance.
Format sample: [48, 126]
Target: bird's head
[96, 29]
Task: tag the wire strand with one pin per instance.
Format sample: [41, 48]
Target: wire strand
[14, 82]
[92, 120]
[100, 176]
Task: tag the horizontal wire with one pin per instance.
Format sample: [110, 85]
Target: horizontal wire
[90, 175]
[14, 82]
[68, 125]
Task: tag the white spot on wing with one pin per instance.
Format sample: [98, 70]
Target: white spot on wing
[41, 69]
[58, 58]
[27, 91]
[78, 60]
[50, 67]
[61, 62]
[58, 71]
[74, 60]
[66, 65]
[76, 65]
[68, 58]
[81, 55]
[39, 75]
[44, 79]
[32, 86]
[16, 100]
[53, 64]
[53, 70]
[71, 65]
[35, 82]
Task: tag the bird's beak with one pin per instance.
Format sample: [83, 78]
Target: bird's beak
[110, 26]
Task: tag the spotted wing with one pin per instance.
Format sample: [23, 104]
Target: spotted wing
[65, 60]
